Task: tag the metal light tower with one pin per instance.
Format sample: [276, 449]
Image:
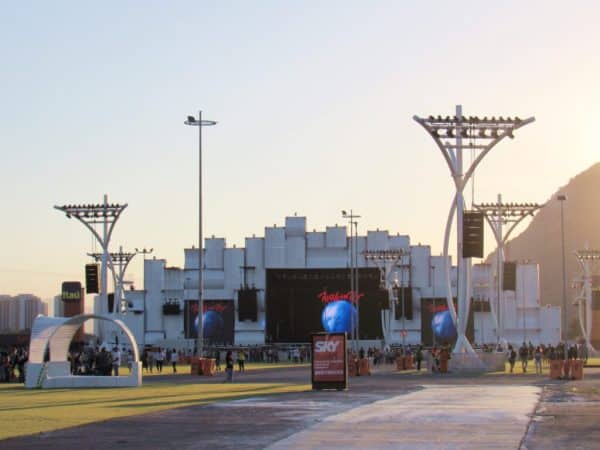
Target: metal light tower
[587, 259]
[497, 215]
[354, 273]
[191, 121]
[121, 260]
[452, 135]
[389, 262]
[106, 214]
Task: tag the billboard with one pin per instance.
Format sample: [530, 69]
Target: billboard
[329, 364]
[71, 291]
[300, 302]
[436, 322]
[217, 321]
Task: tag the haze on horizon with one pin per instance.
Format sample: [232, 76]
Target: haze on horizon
[314, 102]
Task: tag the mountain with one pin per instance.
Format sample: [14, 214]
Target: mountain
[541, 240]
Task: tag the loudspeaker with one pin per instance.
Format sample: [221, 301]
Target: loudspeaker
[509, 276]
[91, 278]
[247, 308]
[404, 298]
[472, 234]
[111, 302]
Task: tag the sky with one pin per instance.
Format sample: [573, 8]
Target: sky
[314, 102]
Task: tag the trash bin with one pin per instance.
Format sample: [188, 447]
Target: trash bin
[208, 366]
[196, 368]
[399, 363]
[363, 367]
[556, 368]
[577, 369]
[352, 367]
[567, 369]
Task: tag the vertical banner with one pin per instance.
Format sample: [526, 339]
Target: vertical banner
[329, 361]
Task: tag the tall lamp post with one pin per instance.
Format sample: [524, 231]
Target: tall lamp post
[192, 121]
[354, 272]
[561, 198]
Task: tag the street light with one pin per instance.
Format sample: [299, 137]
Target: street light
[191, 120]
[354, 272]
[562, 198]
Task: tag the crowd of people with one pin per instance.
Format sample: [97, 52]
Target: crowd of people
[542, 354]
[12, 365]
[99, 361]
[156, 358]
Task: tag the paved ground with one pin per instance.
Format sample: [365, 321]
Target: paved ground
[385, 410]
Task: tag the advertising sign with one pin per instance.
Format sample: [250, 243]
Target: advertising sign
[217, 321]
[300, 302]
[437, 327]
[71, 291]
[329, 361]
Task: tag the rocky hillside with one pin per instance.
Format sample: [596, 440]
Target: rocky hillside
[541, 241]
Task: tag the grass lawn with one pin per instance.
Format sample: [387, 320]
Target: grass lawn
[24, 411]
[184, 369]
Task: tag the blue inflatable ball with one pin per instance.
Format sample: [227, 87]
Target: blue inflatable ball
[442, 326]
[212, 325]
[338, 317]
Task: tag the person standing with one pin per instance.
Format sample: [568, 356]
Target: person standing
[116, 361]
[512, 358]
[524, 356]
[419, 357]
[174, 359]
[538, 360]
[241, 359]
[150, 361]
[229, 366]
[159, 360]
[129, 361]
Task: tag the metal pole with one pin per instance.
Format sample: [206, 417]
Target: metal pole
[402, 300]
[356, 284]
[562, 198]
[352, 298]
[499, 268]
[103, 269]
[200, 281]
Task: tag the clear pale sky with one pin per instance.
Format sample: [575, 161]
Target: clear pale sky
[314, 102]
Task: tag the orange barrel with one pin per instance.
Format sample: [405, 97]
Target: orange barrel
[363, 367]
[195, 366]
[399, 363]
[444, 357]
[352, 367]
[208, 366]
[577, 369]
[567, 368]
[409, 362]
[556, 368]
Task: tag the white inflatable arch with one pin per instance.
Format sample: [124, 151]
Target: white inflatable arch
[54, 334]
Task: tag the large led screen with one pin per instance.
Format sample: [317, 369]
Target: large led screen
[300, 302]
[217, 321]
[437, 327]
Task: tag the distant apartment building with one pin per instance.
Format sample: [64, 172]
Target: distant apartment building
[18, 312]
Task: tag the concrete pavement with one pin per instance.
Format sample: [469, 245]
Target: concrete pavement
[437, 417]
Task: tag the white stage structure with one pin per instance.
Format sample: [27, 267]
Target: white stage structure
[54, 335]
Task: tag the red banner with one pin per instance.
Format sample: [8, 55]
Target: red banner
[329, 357]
